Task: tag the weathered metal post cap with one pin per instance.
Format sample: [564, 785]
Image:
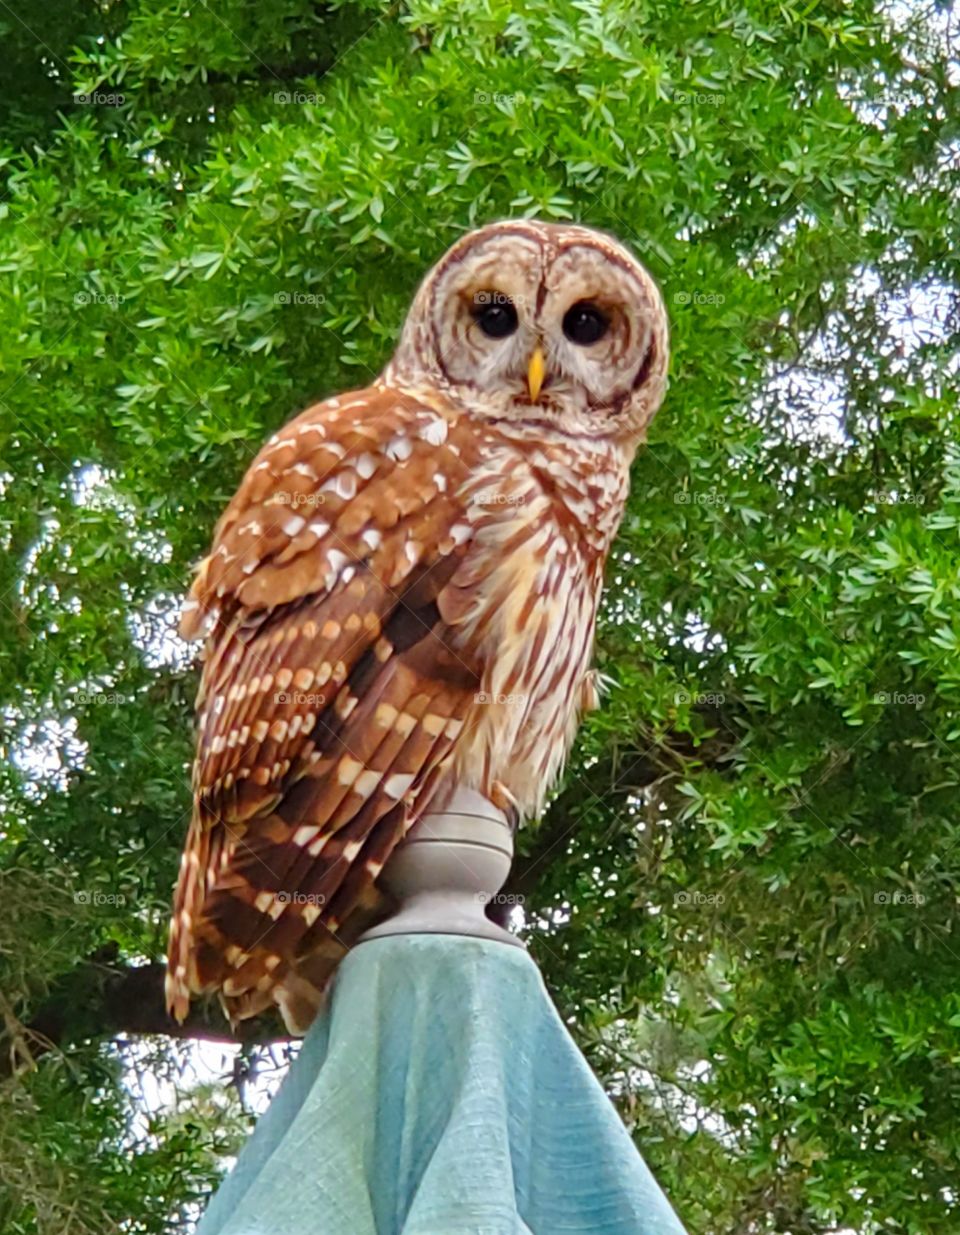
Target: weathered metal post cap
[447, 871]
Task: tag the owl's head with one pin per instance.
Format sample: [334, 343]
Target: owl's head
[557, 323]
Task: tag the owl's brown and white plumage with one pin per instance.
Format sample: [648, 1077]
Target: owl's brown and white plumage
[401, 598]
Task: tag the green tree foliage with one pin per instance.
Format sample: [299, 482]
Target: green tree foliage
[745, 896]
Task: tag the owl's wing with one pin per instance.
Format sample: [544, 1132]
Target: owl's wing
[328, 703]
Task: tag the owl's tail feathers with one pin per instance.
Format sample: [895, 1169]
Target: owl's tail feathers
[299, 994]
[262, 980]
[182, 979]
[300, 988]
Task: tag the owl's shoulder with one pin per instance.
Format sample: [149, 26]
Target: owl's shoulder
[368, 476]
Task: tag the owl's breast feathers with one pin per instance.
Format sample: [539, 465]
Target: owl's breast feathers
[396, 598]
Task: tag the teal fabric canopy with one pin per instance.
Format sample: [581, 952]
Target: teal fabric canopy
[439, 1094]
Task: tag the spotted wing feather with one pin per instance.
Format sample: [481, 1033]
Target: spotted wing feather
[330, 700]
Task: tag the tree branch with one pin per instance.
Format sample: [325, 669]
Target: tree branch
[562, 821]
[103, 999]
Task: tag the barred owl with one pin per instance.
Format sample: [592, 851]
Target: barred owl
[401, 598]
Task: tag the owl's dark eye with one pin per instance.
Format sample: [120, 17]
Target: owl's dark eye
[584, 323]
[494, 314]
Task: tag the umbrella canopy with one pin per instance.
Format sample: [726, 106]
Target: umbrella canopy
[439, 1093]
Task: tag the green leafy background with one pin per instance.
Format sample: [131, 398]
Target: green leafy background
[744, 899]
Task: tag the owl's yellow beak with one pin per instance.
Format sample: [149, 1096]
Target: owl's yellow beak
[535, 372]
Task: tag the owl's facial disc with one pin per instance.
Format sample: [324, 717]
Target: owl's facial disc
[533, 320]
